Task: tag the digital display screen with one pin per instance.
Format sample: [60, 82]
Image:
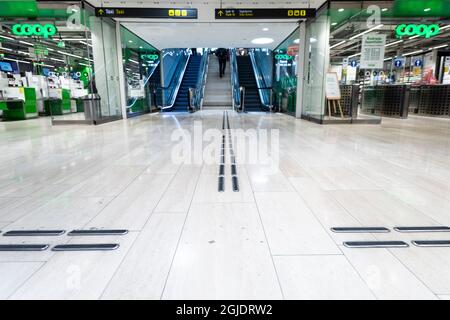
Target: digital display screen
[6, 66]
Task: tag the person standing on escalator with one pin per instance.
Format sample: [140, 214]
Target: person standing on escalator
[222, 55]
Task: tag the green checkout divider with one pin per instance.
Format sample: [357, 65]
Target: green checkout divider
[21, 110]
[58, 107]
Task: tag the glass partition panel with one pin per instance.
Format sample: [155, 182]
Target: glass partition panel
[141, 63]
[316, 55]
[285, 71]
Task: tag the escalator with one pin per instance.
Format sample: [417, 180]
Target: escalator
[154, 83]
[246, 76]
[190, 80]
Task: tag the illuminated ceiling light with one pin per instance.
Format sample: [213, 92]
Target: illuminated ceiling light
[262, 41]
[130, 41]
[23, 52]
[85, 43]
[22, 61]
[384, 9]
[27, 43]
[59, 60]
[388, 59]
[355, 55]
[411, 53]
[341, 9]
[427, 9]
[338, 44]
[134, 61]
[69, 54]
[7, 49]
[7, 38]
[367, 31]
[439, 47]
[265, 29]
[84, 64]
[445, 27]
[296, 41]
[392, 43]
[334, 23]
[140, 47]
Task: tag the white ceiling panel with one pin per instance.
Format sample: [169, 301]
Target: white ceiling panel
[210, 35]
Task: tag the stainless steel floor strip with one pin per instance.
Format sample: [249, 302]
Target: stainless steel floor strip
[360, 230]
[24, 247]
[33, 233]
[431, 243]
[422, 229]
[376, 244]
[86, 247]
[100, 232]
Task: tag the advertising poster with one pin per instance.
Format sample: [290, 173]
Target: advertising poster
[372, 51]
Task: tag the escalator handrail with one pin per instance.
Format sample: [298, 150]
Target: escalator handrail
[235, 87]
[262, 87]
[204, 66]
[181, 70]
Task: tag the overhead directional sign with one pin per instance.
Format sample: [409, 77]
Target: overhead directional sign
[155, 13]
[284, 13]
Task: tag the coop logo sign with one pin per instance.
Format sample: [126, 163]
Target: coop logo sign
[283, 57]
[150, 57]
[38, 30]
[423, 30]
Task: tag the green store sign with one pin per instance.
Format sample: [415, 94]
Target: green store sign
[149, 57]
[38, 30]
[283, 57]
[424, 30]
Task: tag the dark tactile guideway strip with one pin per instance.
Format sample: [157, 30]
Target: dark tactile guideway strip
[221, 178]
[86, 247]
[33, 233]
[360, 230]
[100, 232]
[431, 243]
[234, 175]
[423, 229]
[376, 244]
[24, 247]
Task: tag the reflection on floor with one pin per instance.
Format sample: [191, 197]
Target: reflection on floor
[186, 240]
[71, 116]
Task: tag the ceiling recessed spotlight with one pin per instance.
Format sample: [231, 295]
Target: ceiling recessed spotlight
[384, 9]
[334, 23]
[265, 29]
[130, 41]
[312, 40]
[140, 47]
[262, 40]
[297, 41]
[427, 9]
[341, 9]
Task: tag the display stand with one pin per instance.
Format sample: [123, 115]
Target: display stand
[333, 93]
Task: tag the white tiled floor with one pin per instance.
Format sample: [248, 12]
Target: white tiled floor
[271, 240]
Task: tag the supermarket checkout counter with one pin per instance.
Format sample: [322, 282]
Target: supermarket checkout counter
[58, 102]
[18, 103]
